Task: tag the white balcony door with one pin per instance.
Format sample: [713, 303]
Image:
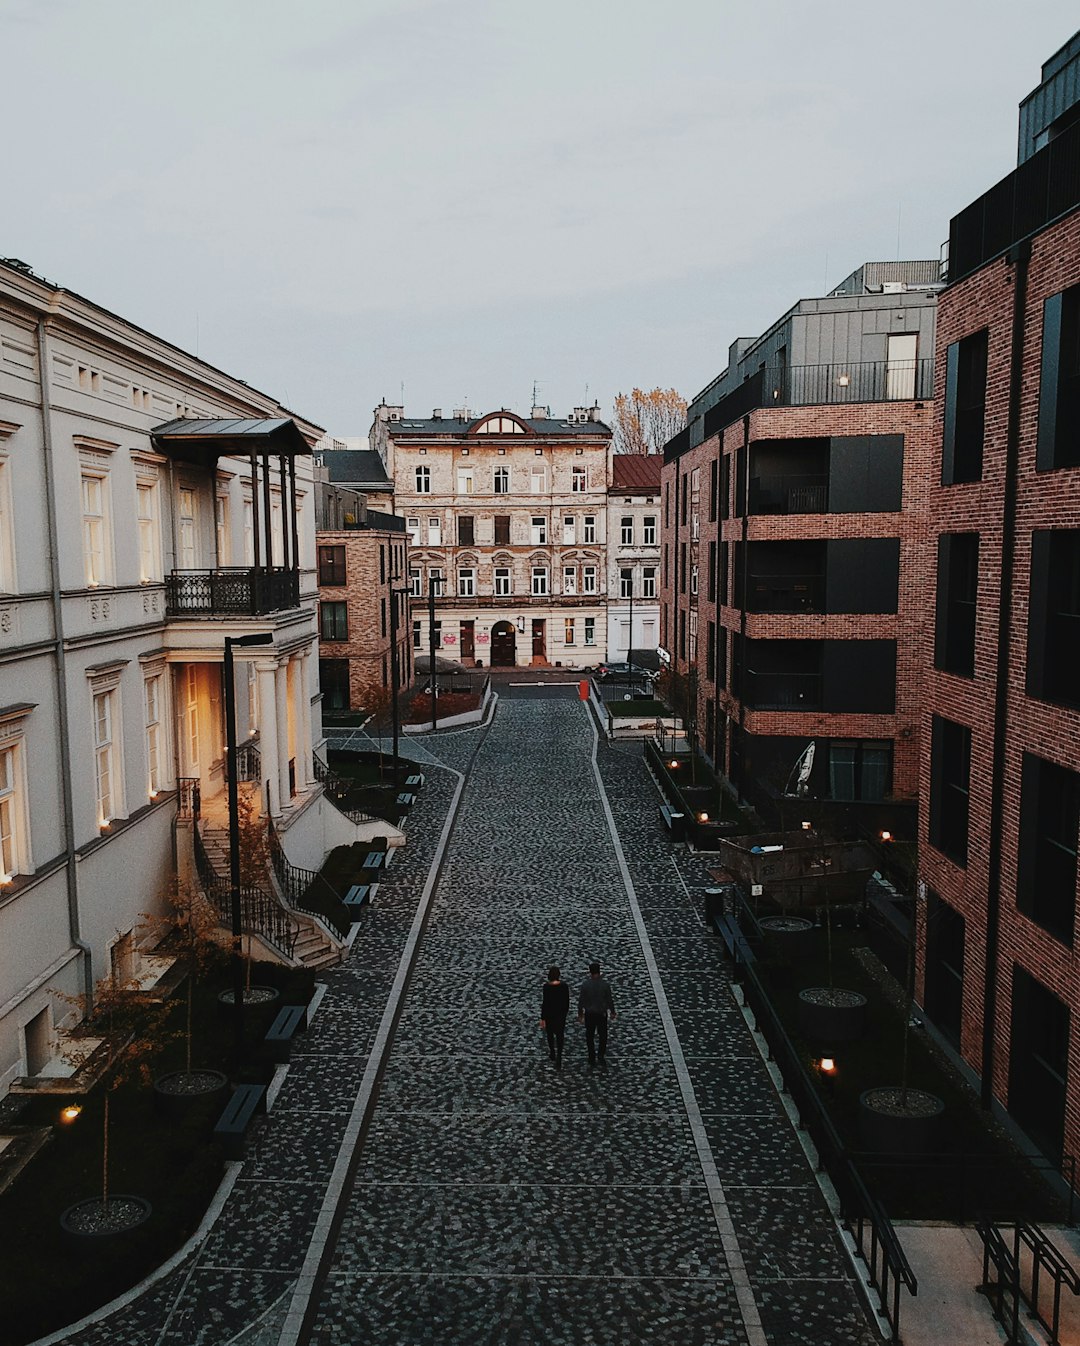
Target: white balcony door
[187, 528]
[900, 366]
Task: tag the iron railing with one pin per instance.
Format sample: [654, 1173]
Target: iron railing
[785, 593]
[248, 762]
[188, 797]
[782, 691]
[305, 889]
[260, 913]
[338, 790]
[231, 590]
[1010, 1286]
[806, 493]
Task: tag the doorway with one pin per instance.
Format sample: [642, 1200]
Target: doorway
[503, 645]
[468, 642]
[539, 641]
[901, 350]
[38, 1037]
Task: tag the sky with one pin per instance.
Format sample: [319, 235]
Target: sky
[449, 202]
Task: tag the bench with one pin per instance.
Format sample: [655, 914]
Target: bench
[414, 782]
[406, 800]
[374, 860]
[358, 894]
[674, 821]
[247, 1099]
[279, 1036]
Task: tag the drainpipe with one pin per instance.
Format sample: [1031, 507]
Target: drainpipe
[1018, 257]
[71, 861]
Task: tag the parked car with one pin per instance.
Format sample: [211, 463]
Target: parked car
[624, 672]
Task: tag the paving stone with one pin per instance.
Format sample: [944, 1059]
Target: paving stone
[264, 1225]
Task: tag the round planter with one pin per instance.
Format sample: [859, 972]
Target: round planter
[787, 938]
[888, 1124]
[255, 998]
[831, 1015]
[177, 1093]
[94, 1219]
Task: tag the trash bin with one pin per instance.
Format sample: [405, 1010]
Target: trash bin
[583, 689]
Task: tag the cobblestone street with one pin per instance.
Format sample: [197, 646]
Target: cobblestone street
[492, 1199]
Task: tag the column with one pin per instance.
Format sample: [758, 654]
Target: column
[281, 721]
[305, 774]
[268, 744]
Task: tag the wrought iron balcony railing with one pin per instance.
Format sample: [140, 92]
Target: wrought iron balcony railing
[231, 591]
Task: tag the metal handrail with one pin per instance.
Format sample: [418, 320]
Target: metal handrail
[298, 885]
[338, 789]
[259, 911]
[188, 797]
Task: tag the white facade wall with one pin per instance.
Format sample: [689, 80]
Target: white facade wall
[641, 558]
[72, 880]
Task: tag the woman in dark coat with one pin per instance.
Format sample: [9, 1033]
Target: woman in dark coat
[554, 1007]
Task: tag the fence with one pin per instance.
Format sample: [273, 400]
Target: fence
[305, 889]
[260, 912]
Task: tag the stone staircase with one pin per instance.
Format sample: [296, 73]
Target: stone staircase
[314, 948]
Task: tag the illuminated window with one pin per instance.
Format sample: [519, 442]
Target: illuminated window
[105, 755]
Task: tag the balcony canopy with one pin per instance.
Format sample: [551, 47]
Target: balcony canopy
[204, 441]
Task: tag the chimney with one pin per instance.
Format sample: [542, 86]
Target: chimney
[541, 413]
[436, 414]
[594, 412]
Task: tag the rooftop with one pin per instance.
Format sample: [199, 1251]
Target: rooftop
[638, 472]
[356, 467]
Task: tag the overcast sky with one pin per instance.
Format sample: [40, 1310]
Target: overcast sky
[333, 199]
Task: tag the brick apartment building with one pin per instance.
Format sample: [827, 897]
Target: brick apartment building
[362, 557]
[794, 567]
[507, 515]
[999, 976]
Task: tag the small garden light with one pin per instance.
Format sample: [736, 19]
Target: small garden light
[70, 1113]
[673, 765]
[806, 827]
[828, 1065]
[703, 817]
[886, 836]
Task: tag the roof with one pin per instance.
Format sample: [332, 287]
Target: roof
[356, 467]
[280, 436]
[636, 472]
[446, 427]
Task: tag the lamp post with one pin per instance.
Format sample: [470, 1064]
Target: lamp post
[432, 584]
[630, 637]
[259, 638]
[395, 671]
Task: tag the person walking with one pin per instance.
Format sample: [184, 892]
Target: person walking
[595, 1004]
[554, 1008]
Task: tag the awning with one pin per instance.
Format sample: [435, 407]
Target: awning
[201, 441]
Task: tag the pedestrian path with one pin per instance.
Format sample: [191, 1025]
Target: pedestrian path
[492, 1200]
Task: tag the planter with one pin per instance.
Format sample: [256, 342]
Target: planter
[891, 1123]
[96, 1219]
[787, 938]
[255, 998]
[177, 1093]
[831, 1015]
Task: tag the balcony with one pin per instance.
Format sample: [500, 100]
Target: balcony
[783, 691]
[515, 601]
[801, 494]
[835, 384]
[785, 593]
[231, 591]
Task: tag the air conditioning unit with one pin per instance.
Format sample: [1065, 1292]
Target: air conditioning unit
[893, 287]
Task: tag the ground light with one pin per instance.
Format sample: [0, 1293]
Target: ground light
[70, 1113]
[703, 817]
[827, 1070]
[886, 836]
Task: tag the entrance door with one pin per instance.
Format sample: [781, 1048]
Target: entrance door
[539, 642]
[503, 645]
[468, 642]
[900, 366]
[38, 1034]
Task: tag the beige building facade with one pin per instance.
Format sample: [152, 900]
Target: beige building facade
[507, 520]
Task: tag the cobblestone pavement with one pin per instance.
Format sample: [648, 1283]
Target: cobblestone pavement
[494, 1200]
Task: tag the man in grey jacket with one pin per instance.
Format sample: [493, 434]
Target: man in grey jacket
[594, 1004]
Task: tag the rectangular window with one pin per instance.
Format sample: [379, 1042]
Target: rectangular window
[502, 530]
[648, 530]
[590, 630]
[105, 756]
[648, 582]
[957, 591]
[944, 966]
[333, 621]
[187, 543]
[682, 567]
[1049, 823]
[568, 631]
[466, 532]
[860, 771]
[434, 532]
[95, 525]
[221, 529]
[1059, 387]
[334, 683]
[435, 580]
[538, 480]
[626, 583]
[467, 583]
[693, 578]
[539, 580]
[950, 768]
[502, 581]
[153, 734]
[710, 574]
[415, 584]
[590, 528]
[721, 657]
[588, 579]
[437, 628]
[1038, 1062]
[539, 530]
[501, 481]
[693, 636]
[569, 580]
[423, 481]
[149, 543]
[965, 409]
[412, 527]
[1054, 616]
[382, 564]
[332, 566]
[568, 533]
[416, 635]
[626, 530]
[580, 481]
[714, 472]
[710, 653]
[11, 815]
[7, 532]
[465, 481]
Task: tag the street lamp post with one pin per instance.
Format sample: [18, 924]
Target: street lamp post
[260, 638]
[630, 637]
[395, 670]
[432, 583]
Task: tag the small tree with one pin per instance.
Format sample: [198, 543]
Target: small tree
[645, 421]
[195, 925]
[379, 702]
[254, 846]
[132, 1034]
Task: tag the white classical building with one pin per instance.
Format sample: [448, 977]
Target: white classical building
[633, 554]
[150, 507]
